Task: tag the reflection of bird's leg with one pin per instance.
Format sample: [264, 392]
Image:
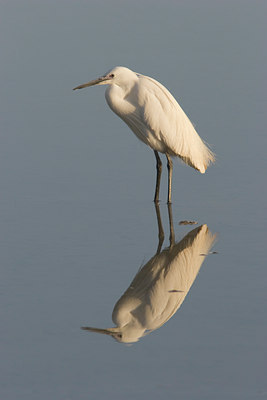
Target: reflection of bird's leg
[169, 165]
[159, 169]
[160, 228]
[172, 234]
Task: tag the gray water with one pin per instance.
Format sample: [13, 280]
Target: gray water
[77, 220]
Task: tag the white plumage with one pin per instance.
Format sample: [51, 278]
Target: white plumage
[159, 288]
[156, 118]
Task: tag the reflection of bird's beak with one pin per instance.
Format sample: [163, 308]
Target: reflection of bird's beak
[103, 80]
[110, 331]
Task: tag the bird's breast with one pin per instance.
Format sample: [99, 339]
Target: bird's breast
[118, 101]
[128, 105]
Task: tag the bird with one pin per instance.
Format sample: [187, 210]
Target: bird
[159, 288]
[156, 118]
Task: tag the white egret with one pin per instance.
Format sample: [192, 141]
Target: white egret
[160, 287]
[156, 118]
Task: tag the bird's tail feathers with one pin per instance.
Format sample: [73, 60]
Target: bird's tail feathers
[200, 159]
[208, 158]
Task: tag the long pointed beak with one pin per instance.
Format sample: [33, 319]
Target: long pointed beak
[99, 81]
[109, 331]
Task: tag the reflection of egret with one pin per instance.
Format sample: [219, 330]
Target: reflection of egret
[156, 118]
[160, 287]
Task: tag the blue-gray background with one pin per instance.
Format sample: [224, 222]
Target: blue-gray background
[76, 213]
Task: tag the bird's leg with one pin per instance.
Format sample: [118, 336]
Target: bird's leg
[159, 169]
[172, 234]
[160, 228]
[169, 166]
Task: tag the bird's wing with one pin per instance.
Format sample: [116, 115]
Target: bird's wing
[159, 114]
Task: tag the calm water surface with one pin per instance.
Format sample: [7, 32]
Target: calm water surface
[77, 220]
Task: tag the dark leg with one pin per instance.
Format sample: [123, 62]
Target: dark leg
[160, 228]
[159, 169]
[172, 235]
[169, 165]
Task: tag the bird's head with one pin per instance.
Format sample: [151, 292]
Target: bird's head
[120, 76]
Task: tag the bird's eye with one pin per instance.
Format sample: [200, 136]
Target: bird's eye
[111, 75]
